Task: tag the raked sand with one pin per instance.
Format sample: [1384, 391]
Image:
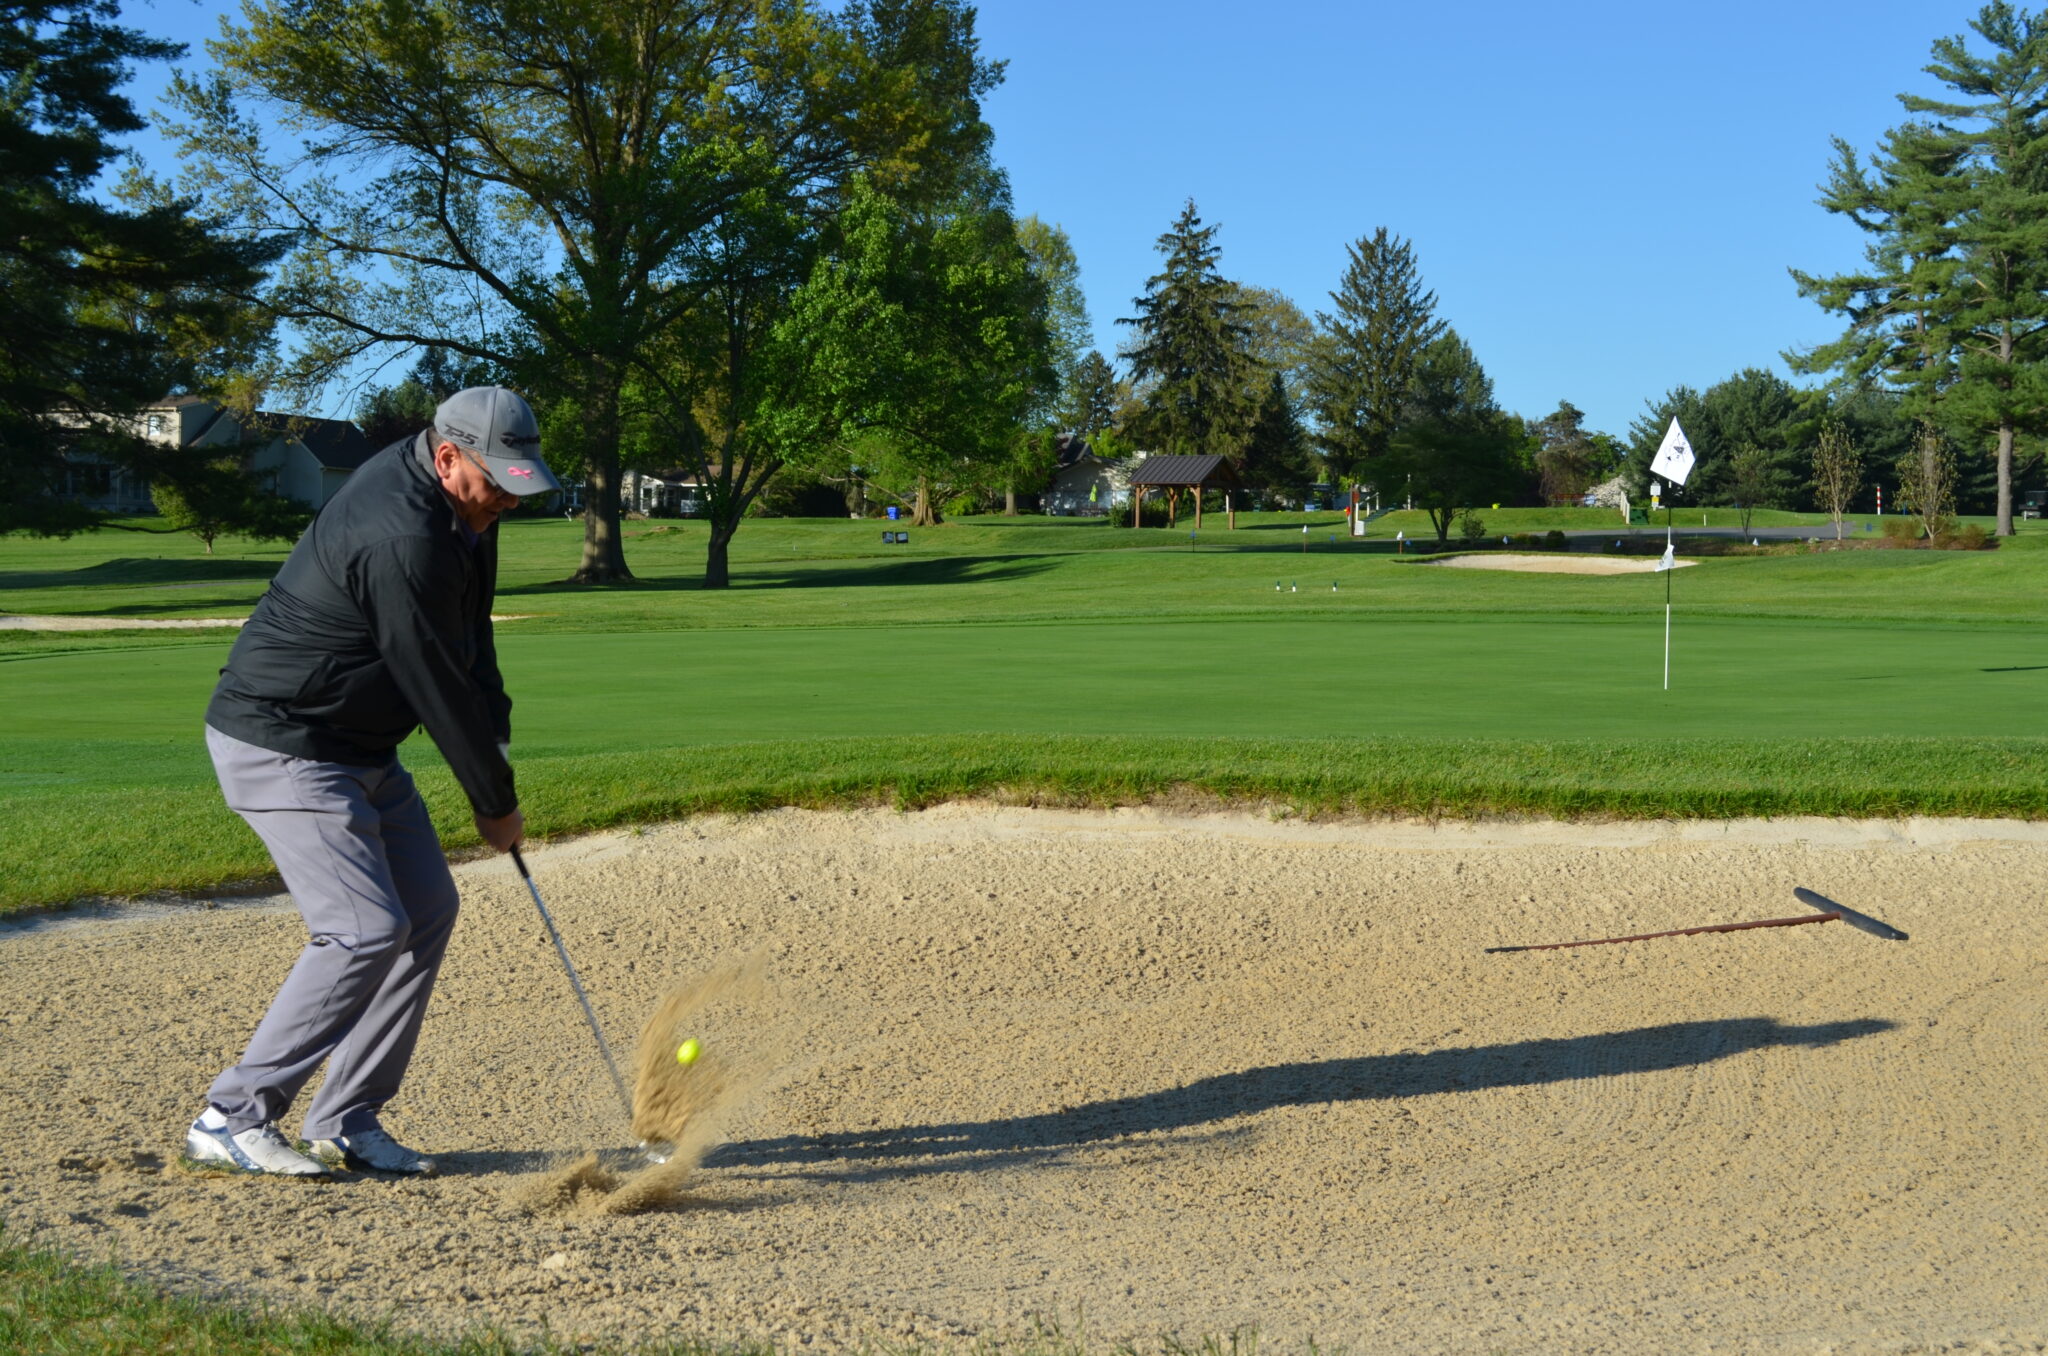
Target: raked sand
[1154, 1073]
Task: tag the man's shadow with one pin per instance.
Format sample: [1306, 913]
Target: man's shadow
[969, 1146]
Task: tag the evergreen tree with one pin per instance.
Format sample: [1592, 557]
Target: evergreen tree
[1360, 375]
[1453, 447]
[1093, 397]
[1753, 408]
[1276, 451]
[1997, 315]
[102, 302]
[1569, 459]
[1189, 356]
[1951, 312]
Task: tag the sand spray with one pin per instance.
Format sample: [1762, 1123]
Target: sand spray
[735, 1012]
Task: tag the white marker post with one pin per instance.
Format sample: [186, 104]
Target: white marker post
[1674, 461]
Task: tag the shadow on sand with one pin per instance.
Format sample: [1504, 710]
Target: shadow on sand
[965, 1146]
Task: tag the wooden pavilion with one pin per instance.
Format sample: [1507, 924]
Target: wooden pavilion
[1174, 474]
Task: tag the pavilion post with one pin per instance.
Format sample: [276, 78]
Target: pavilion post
[1198, 507]
[1230, 510]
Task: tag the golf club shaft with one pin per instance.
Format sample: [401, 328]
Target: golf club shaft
[1679, 932]
[569, 968]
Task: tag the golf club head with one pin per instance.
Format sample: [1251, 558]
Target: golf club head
[1862, 922]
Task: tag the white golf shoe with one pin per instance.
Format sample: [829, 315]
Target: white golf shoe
[260, 1148]
[374, 1151]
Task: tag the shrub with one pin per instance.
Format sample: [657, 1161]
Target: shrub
[1471, 527]
[1899, 530]
[1554, 540]
[1973, 537]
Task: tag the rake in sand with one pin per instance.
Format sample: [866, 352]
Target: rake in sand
[1862, 922]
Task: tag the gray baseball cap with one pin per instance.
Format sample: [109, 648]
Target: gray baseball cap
[498, 425]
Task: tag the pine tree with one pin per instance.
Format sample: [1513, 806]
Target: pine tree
[1276, 450]
[1093, 397]
[1568, 458]
[1190, 357]
[1453, 447]
[1997, 316]
[100, 300]
[1951, 312]
[1368, 350]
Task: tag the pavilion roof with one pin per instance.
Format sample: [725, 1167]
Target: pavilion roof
[1185, 472]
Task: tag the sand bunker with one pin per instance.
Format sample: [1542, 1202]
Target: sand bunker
[1554, 564]
[1173, 1074]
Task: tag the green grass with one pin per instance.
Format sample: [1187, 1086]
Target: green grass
[1061, 660]
[52, 1306]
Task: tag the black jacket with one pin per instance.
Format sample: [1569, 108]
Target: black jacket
[380, 621]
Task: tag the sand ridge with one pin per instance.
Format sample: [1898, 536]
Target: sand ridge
[1522, 563]
[1175, 1073]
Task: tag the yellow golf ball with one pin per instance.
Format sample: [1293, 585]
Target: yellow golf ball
[687, 1052]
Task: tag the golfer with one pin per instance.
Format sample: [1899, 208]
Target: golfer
[380, 621]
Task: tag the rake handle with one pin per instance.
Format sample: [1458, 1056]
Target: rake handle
[1677, 932]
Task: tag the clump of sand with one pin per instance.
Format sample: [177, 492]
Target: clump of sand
[678, 1110]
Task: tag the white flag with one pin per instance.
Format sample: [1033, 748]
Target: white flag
[1674, 457]
[1669, 562]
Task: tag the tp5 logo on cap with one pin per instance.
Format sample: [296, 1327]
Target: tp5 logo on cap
[499, 425]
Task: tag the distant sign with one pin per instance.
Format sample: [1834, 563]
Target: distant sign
[1674, 457]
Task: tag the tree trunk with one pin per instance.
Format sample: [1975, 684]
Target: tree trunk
[604, 549]
[2004, 527]
[924, 515]
[717, 562]
[1009, 501]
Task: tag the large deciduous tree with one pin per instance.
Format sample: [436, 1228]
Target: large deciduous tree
[921, 339]
[108, 305]
[1189, 351]
[564, 188]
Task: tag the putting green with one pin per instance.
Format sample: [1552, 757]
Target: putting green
[133, 717]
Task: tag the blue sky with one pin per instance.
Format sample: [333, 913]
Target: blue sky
[1605, 197]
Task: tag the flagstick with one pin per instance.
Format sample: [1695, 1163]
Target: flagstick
[1667, 598]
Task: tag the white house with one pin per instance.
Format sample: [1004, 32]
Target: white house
[672, 493]
[1087, 487]
[297, 457]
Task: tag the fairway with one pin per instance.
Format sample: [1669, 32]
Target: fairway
[115, 715]
[1059, 660]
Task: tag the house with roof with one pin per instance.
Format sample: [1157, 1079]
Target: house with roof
[1084, 485]
[671, 493]
[295, 456]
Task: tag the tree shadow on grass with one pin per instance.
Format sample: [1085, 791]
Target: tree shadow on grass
[970, 1146]
[881, 573]
[141, 572]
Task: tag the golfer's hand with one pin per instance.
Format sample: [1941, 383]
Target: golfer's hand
[503, 833]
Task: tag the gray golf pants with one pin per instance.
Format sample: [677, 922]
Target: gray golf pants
[360, 858]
